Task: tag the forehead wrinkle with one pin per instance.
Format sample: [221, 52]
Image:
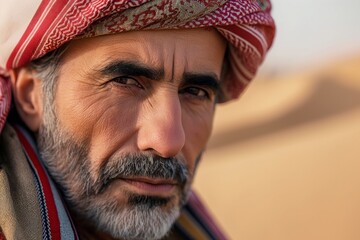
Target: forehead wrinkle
[175, 63]
[172, 79]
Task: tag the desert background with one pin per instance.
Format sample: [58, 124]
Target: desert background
[284, 161]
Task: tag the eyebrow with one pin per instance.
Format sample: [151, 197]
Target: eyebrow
[131, 68]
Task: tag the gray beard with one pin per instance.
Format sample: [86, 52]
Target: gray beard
[135, 216]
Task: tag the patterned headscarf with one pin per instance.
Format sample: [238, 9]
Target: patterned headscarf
[30, 29]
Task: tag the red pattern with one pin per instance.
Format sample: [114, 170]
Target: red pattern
[28, 42]
[76, 16]
[51, 207]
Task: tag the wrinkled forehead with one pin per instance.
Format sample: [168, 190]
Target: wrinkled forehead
[171, 51]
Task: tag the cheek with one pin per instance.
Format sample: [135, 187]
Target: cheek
[78, 108]
[197, 126]
[113, 130]
[98, 118]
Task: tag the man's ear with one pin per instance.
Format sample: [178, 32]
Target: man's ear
[28, 96]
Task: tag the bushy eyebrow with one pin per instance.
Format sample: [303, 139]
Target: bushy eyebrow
[131, 68]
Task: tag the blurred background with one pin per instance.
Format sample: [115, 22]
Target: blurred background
[284, 161]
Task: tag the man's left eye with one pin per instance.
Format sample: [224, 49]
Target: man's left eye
[197, 92]
[129, 81]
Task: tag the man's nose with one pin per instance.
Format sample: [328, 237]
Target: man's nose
[161, 129]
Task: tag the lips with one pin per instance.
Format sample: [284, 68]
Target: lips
[151, 186]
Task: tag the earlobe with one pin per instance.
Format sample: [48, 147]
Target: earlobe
[27, 96]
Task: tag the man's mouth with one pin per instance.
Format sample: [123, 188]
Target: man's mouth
[151, 186]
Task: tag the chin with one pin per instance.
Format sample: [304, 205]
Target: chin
[140, 217]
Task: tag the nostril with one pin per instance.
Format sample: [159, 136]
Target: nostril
[166, 139]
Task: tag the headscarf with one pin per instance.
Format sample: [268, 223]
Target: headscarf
[32, 28]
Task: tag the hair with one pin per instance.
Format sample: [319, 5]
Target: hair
[47, 69]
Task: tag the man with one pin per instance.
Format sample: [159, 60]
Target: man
[113, 103]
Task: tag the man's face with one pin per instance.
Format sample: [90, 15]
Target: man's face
[131, 116]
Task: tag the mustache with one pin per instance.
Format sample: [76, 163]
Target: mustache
[141, 165]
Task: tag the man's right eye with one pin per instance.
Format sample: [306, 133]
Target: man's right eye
[128, 81]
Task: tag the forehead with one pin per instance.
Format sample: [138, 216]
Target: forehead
[171, 50]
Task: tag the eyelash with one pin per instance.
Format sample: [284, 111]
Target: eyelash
[119, 80]
[188, 89]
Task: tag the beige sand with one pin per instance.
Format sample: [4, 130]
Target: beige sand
[284, 162]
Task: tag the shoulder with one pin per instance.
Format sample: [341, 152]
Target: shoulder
[19, 208]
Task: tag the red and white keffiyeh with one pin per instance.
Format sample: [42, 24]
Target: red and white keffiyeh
[30, 29]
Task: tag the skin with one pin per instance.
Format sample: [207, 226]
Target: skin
[151, 92]
[161, 120]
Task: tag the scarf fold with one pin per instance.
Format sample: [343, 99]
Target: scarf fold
[55, 219]
[42, 26]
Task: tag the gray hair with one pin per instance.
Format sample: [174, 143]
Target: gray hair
[47, 68]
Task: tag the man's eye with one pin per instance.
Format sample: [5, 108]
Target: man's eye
[129, 81]
[197, 92]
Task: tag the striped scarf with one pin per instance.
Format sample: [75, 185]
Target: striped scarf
[55, 219]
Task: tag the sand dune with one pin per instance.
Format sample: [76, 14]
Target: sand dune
[284, 162]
